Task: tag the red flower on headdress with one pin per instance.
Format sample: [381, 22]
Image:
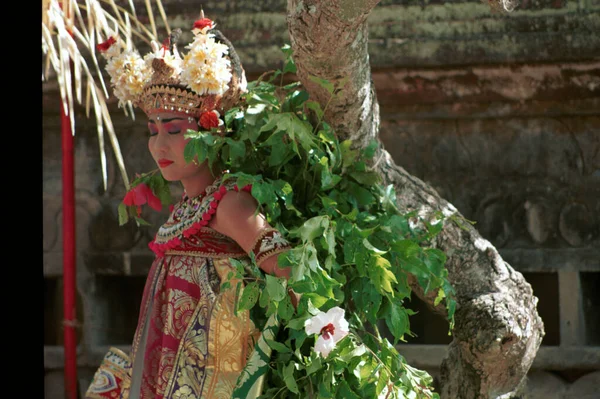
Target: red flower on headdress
[104, 46]
[140, 195]
[203, 23]
[210, 119]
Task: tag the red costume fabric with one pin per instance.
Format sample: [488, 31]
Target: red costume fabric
[190, 340]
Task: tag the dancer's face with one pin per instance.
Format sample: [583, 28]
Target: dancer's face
[167, 143]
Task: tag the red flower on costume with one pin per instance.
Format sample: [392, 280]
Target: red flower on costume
[104, 46]
[203, 23]
[210, 119]
[140, 195]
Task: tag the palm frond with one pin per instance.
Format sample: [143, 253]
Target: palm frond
[70, 31]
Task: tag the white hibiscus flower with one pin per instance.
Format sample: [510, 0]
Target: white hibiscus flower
[331, 327]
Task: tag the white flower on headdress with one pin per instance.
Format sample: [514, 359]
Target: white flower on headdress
[332, 327]
[173, 60]
[206, 69]
[127, 70]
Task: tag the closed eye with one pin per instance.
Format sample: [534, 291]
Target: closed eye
[153, 130]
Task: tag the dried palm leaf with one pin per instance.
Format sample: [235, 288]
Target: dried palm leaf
[70, 31]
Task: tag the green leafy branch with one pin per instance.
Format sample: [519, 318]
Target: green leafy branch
[351, 245]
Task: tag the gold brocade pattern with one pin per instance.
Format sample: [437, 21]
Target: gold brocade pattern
[195, 346]
[223, 349]
[180, 308]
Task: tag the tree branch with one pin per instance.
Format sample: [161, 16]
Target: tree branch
[329, 39]
[498, 330]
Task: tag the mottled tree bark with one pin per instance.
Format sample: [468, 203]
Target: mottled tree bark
[498, 330]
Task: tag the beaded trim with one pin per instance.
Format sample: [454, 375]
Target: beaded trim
[191, 214]
[269, 242]
[163, 98]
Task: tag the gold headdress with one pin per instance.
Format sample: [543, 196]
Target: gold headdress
[208, 78]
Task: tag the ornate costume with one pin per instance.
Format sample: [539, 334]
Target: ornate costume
[190, 342]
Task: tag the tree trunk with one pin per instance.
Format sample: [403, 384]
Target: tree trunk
[498, 330]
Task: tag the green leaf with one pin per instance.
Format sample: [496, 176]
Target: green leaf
[141, 221]
[369, 178]
[294, 259]
[381, 275]
[312, 228]
[201, 150]
[302, 131]
[277, 122]
[249, 296]
[304, 286]
[358, 351]
[288, 378]
[348, 154]
[287, 50]
[406, 248]
[233, 114]
[327, 85]
[279, 149]
[285, 309]
[189, 151]
[315, 107]
[435, 260]
[292, 85]
[329, 242]
[369, 150]
[122, 211]
[238, 287]
[382, 382]
[345, 392]
[264, 98]
[352, 245]
[160, 188]
[317, 300]
[237, 149]
[298, 323]
[371, 248]
[264, 298]
[290, 66]
[278, 346]
[263, 192]
[315, 365]
[362, 195]
[367, 299]
[276, 286]
[328, 180]
[254, 113]
[396, 320]
[439, 297]
[296, 99]
[325, 284]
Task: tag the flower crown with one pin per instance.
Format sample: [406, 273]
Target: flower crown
[198, 83]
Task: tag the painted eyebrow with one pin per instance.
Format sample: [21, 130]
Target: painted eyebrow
[166, 120]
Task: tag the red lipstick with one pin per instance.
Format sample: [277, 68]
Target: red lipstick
[163, 163]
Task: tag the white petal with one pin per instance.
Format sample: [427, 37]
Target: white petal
[339, 334]
[324, 346]
[336, 312]
[337, 318]
[341, 324]
[315, 323]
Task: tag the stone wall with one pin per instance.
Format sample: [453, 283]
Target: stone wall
[500, 113]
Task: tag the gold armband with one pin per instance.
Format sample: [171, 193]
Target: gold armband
[268, 243]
